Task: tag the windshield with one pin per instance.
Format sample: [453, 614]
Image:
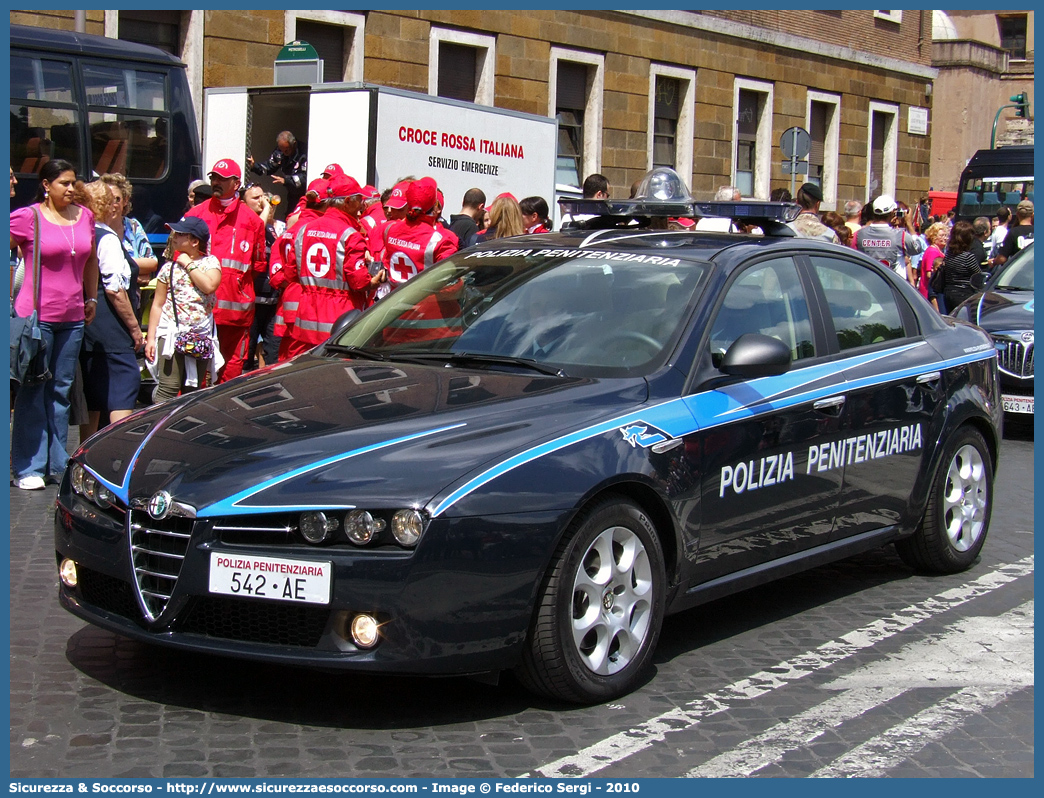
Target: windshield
[983, 196]
[1016, 274]
[580, 312]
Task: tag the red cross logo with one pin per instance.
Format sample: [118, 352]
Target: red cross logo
[402, 267]
[318, 260]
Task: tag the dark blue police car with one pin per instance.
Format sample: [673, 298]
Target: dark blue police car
[527, 455]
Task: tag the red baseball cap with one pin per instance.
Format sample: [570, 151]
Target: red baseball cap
[441, 197]
[684, 221]
[397, 199]
[507, 194]
[343, 186]
[421, 195]
[319, 187]
[226, 167]
[332, 169]
[370, 192]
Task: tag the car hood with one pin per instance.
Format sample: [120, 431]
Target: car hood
[329, 432]
[1002, 310]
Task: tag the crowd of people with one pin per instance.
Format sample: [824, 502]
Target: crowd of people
[936, 255]
[236, 288]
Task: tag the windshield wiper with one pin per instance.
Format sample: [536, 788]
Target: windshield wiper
[355, 351]
[1010, 288]
[479, 359]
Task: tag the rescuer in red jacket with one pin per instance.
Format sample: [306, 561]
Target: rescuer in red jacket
[237, 239]
[282, 265]
[332, 268]
[414, 243]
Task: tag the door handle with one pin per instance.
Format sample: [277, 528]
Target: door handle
[932, 377]
[831, 406]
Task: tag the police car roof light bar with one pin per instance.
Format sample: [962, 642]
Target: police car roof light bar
[772, 217]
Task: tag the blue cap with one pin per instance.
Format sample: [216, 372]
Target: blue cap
[195, 227]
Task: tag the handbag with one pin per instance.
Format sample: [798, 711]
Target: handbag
[938, 280]
[29, 362]
[191, 343]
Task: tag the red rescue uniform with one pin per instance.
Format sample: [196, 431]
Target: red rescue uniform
[282, 274]
[410, 246]
[333, 275]
[237, 240]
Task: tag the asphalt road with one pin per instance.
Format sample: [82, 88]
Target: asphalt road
[862, 668]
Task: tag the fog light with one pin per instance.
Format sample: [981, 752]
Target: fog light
[361, 527]
[67, 572]
[407, 527]
[78, 474]
[364, 631]
[315, 526]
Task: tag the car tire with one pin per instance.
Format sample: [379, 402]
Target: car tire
[957, 518]
[600, 609]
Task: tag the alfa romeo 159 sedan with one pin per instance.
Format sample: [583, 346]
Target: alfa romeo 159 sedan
[528, 454]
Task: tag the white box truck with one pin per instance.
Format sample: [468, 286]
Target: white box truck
[379, 135]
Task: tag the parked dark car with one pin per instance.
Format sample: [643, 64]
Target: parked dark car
[1004, 308]
[528, 454]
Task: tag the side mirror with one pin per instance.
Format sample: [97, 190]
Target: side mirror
[344, 321]
[756, 355]
[978, 281]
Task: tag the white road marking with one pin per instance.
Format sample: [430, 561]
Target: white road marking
[877, 756]
[996, 654]
[617, 747]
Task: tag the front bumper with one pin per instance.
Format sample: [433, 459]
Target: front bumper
[459, 603]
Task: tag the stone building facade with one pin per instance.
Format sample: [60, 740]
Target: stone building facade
[984, 58]
[708, 92]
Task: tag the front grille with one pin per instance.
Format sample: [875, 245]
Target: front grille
[157, 551]
[1015, 357]
[250, 621]
[108, 593]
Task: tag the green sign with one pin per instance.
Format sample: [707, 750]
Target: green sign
[297, 51]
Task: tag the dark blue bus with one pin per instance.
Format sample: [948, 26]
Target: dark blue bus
[105, 105]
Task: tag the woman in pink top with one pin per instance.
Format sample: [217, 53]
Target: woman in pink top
[68, 299]
[937, 234]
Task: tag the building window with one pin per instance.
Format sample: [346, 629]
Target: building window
[328, 41]
[883, 150]
[671, 111]
[575, 100]
[889, 16]
[337, 37]
[160, 29]
[461, 66]
[824, 113]
[1013, 36]
[665, 121]
[752, 137]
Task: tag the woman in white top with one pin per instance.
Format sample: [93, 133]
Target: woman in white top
[184, 303]
[111, 375]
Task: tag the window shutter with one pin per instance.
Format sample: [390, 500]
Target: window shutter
[328, 41]
[458, 70]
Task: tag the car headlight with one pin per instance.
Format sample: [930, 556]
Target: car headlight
[90, 487]
[78, 473]
[315, 526]
[361, 527]
[103, 496]
[407, 527]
